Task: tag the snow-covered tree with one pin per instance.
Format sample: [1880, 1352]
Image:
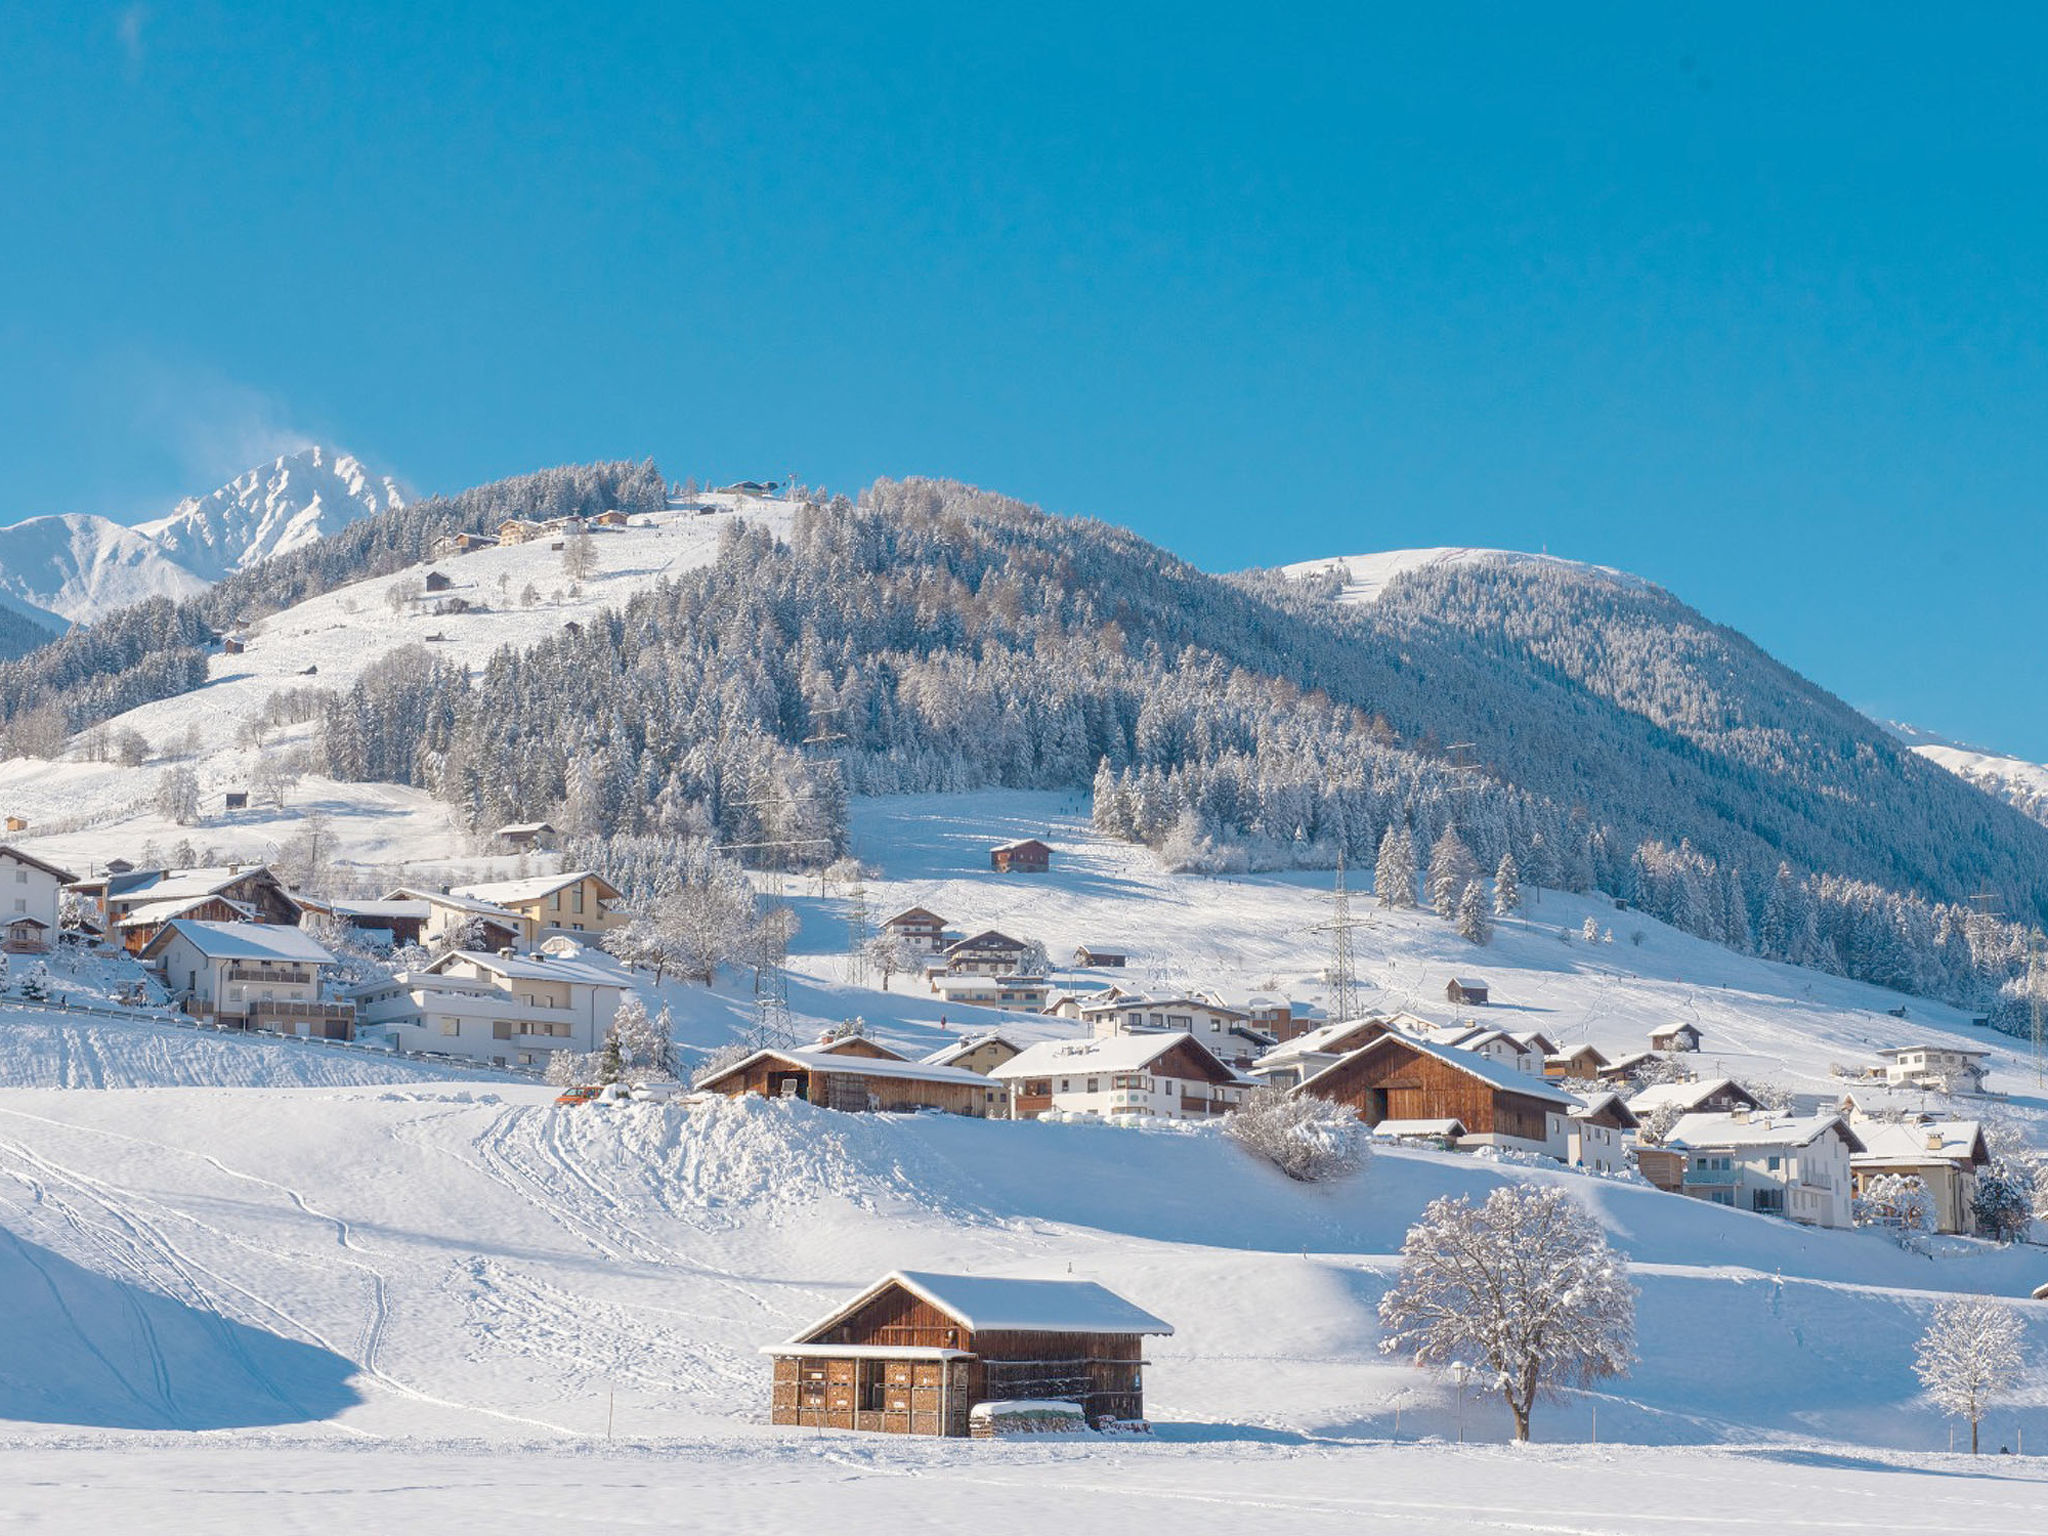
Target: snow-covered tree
[1507, 887]
[1523, 1284]
[1306, 1138]
[579, 552]
[610, 1060]
[1393, 877]
[643, 1047]
[177, 795]
[1474, 921]
[1900, 1203]
[1970, 1356]
[2004, 1201]
[565, 1069]
[888, 954]
[1033, 960]
[1589, 930]
[1451, 869]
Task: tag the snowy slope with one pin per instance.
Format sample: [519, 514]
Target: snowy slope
[76, 567]
[1364, 577]
[93, 811]
[278, 507]
[2021, 784]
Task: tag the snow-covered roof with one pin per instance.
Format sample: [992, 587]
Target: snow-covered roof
[1324, 1038]
[451, 900]
[911, 912]
[416, 909]
[1117, 1053]
[1395, 1129]
[1468, 984]
[951, 983]
[528, 968]
[1948, 1047]
[1688, 1096]
[866, 1352]
[1905, 1143]
[1593, 1103]
[9, 851]
[515, 828]
[946, 1055]
[507, 892]
[1743, 1129]
[247, 941]
[1500, 1074]
[152, 913]
[189, 884]
[988, 938]
[1022, 842]
[987, 1304]
[857, 1066]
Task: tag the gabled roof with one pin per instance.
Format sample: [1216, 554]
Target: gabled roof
[1689, 1096]
[527, 968]
[1595, 1104]
[1022, 842]
[856, 1066]
[62, 876]
[1722, 1129]
[1497, 1074]
[986, 1304]
[1468, 983]
[1118, 1053]
[857, 1045]
[186, 884]
[910, 912]
[946, 1055]
[507, 891]
[988, 938]
[152, 913]
[1327, 1038]
[458, 903]
[1904, 1143]
[243, 941]
[513, 828]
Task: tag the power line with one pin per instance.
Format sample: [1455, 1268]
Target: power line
[1340, 925]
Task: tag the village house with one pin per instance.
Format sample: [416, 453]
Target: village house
[1028, 857]
[1165, 1076]
[611, 519]
[519, 530]
[1466, 992]
[1777, 1165]
[1940, 1068]
[1404, 1079]
[578, 901]
[439, 581]
[1675, 1038]
[1946, 1155]
[1293, 1062]
[1600, 1133]
[461, 922]
[981, 1053]
[1705, 1096]
[30, 894]
[140, 903]
[919, 929]
[919, 1353]
[988, 953]
[512, 1011]
[844, 1077]
[1624, 1067]
[250, 976]
[377, 924]
[1496, 1045]
[452, 544]
[1089, 958]
[1025, 994]
[1225, 1031]
[526, 835]
[1582, 1063]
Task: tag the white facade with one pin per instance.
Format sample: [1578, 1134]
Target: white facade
[510, 1011]
[1792, 1167]
[1123, 1077]
[249, 975]
[1944, 1068]
[1595, 1147]
[29, 894]
[1209, 1022]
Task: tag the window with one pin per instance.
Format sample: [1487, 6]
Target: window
[576, 899]
[1094, 1085]
[21, 877]
[451, 1027]
[1772, 1163]
[21, 903]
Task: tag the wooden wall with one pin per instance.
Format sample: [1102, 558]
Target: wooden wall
[1396, 1082]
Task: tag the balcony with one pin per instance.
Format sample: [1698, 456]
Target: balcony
[277, 975]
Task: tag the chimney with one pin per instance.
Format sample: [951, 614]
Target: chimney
[1741, 1113]
[1933, 1140]
[505, 954]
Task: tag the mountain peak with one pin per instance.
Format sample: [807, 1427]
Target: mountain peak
[294, 500]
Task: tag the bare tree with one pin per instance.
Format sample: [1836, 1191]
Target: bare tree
[1524, 1284]
[579, 553]
[1971, 1355]
[131, 747]
[177, 795]
[888, 955]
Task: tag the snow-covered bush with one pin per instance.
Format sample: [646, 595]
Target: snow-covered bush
[1305, 1137]
[1524, 1284]
[1898, 1202]
[1971, 1355]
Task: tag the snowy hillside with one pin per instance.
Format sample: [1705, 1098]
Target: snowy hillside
[271, 510]
[79, 567]
[1364, 577]
[2021, 784]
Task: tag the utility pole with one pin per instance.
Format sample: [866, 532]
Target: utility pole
[1339, 926]
[857, 930]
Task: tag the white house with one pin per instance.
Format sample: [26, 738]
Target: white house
[988, 953]
[1226, 1031]
[451, 919]
[1942, 1068]
[1169, 1075]
[1943, 1154]
[1600, 1131]
[511, 1010]
[1026, 994]
[919, 929]
[1794, 1166]
[250, 976]
[29, 893]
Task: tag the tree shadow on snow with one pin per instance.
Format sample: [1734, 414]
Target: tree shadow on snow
[1993, 1464]
[78, 1347]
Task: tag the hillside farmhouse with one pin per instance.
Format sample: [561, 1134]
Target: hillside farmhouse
[1466, 992]
[579, 901]
[505, 1009]
[1225, 1031]
[1946, 1155]
[1025, 994]
[988, 953]
[1583, 1062]
[1675, 1038]
[980, 1054]
[1711, 1095]
[915, 1353]
[1942, 1067]
[1029, 857]
[919, 929]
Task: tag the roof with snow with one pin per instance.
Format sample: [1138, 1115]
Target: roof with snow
[1689, 1096]
[188, 884]
[1499, 1074]
[986, 1304]
[1914, 1144]
[1721, 1129]
[811, 1059]
[152, 913]
[1596, 1103]
[1944, 1046]
[1117, 1053]
[1395, 1129]
[508, 892]
[528, 968]
[946, 1055]
[9, 851]
[481, 908]
[1325, 1038]
[244, 941]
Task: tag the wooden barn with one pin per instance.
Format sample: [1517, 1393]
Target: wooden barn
[1581, 1061]
[1401, 1078]
[860, 1076]
[1029, 857]
[1466, 992]
[915, 1352]
[1675, 1037]
[1088, 957]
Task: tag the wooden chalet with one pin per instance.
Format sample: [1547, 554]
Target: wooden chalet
[1398, 1077]
[859, 1076]
[140, 904]
[988, 953]
[915, 1353]
[1703, 1096]
[1029, 857]
[1090, 958]
[1584, 1062]
[25, 935]
[919, 929]
[1466, 992]
[1675, 1037]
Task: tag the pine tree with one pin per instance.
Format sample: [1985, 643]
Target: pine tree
[1393, 879]
[1451, 869]
[1507, 887]
[1474, 922]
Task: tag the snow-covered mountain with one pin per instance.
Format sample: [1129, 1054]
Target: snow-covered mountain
[2021, 784]
[78, 567]
[284, 505]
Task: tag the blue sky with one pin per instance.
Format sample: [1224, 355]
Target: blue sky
[1746, 301]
